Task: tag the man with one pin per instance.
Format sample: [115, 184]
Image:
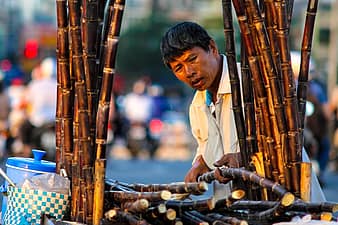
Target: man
[193, 57]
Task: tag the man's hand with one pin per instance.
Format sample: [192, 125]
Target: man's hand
[198, 168]
[228, 160]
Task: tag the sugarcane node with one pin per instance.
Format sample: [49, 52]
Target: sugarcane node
[165, 195]
[171, 214]
[238, 194]
[326, 216]
[287, 199]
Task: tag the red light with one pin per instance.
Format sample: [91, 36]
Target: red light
[31, 49]
[155, 126]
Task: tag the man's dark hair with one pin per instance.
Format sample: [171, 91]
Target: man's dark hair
[182, 37]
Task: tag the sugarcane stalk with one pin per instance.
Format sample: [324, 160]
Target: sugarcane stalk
[234, 79]
[207, 218]
[121, 196]
[138, 206]
[161, 215]
[298, 205]
[118, 215]
[64, 107]
[107, 84]
[229, 200]
[303, 75]
[98, 190]
[111, 185]
[90, 20]
[227, 219]
[108, 75]
[156, 211]
[199, 205]
[85, 152]
[240, 173]
[249, 108]
[107, 17]
[76, 210]
[195, 188]
[190, 219]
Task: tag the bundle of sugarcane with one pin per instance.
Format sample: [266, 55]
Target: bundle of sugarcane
[87, 39]
[270, 133]
[172, 204]
[270, 130]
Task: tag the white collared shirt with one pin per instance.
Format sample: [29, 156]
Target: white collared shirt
[224, 129]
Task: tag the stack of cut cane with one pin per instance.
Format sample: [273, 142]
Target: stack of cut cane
[274, 183]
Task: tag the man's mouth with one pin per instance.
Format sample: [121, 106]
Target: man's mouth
[197, 83]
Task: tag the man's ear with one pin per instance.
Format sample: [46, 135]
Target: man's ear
[213, 47]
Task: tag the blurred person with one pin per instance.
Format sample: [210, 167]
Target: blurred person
[40, 104]
[159, 101]
[137, 109]
[193, 57]
[117, 121]
[159, 107]
[4, 114]
[11, 69]
[318, 121]
[333, 106]
[17, 114]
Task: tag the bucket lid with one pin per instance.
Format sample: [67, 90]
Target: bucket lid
[35, 163]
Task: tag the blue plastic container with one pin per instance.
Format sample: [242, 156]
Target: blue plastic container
[18, 169]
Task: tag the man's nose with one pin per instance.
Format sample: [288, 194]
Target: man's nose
[190, 71]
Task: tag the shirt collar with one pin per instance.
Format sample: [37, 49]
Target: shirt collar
[224, 85]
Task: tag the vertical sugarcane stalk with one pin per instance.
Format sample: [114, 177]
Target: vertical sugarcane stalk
[249, 105]
[305, 60]
[271, 23]
[305, 181]
[104, 101]
[303, 77]
[108, 13]
[90, 21]
[85, 152]
[234, 79]
[236, 95]
[62, 52]
[76, 212]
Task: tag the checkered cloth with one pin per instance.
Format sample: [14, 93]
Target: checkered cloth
[25, 206]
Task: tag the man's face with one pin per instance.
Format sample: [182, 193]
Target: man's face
[197, 67]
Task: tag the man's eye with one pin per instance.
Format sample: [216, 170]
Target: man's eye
[177, 69]
[192, 58]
